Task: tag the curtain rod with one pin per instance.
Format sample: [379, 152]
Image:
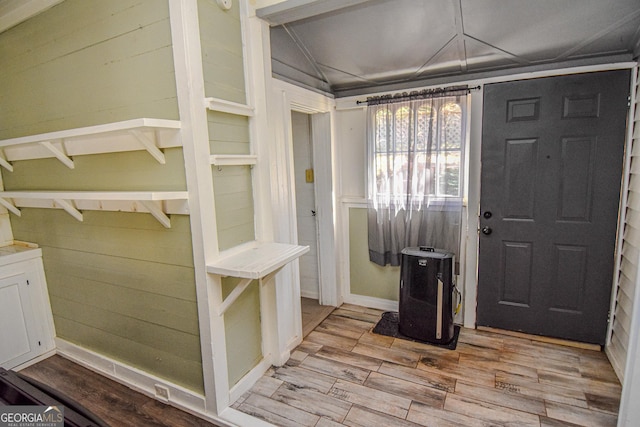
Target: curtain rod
[422, 94]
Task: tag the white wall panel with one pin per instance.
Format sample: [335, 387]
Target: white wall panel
[627, 276]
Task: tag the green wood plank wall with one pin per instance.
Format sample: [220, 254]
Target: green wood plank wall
[367, 278]
[120, 283]
[242, 324]
[222, 56]
[223, 68]
[87, 62]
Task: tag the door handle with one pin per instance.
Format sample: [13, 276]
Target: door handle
[486, 230]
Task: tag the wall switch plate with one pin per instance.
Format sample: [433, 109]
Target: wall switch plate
[308, 174]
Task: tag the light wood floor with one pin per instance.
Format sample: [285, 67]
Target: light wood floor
[342, 374]
[313, 314]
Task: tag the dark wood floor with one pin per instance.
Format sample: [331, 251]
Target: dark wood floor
[117, 405]
[344, 375]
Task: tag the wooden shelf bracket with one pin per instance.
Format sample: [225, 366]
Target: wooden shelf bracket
[58, 153]
[234, 295]
[240, 288]
[150, 145]
[10, 206]
[157, 212]
[4, 162]
[69, 208]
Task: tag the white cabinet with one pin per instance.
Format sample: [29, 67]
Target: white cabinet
[26, 323]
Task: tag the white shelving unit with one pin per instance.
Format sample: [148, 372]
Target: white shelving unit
[221, 105]
[254, 261]
[157, 203]
[152, 135]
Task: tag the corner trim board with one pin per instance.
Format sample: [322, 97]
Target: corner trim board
[371, 302]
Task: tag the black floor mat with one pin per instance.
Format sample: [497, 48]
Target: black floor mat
[388, 326]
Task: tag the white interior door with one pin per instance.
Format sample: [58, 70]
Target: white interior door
[306, 209]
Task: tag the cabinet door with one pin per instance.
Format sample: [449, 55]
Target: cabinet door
[16, 317]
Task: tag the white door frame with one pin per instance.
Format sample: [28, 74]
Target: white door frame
[321, 138]
[321, 110]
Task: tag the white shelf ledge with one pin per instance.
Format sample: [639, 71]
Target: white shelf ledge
[254, 261]
[216, 104]
[257, 261]
[157, 203]
[233, 159]
[152, 135]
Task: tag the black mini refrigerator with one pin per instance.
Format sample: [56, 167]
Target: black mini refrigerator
[426, 295]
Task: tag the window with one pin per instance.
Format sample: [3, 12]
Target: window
[418, 149]
[416, 155]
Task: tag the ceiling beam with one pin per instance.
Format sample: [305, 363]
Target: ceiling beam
[295, 10]
[462, 52]
[303, 48]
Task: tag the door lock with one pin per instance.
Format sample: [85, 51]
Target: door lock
[486, 230]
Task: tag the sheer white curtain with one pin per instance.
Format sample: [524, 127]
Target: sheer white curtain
[416, 163]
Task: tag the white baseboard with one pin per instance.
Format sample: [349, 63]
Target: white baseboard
[143, 382]
[242, 419]
[309, 294]
[291, 345]
[248, 380]
[371, 302]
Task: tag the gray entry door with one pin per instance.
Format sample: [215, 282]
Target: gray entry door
[552, 156]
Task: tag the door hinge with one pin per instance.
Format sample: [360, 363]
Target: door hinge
[629, 101]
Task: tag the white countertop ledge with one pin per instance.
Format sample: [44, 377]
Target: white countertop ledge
[255, 261]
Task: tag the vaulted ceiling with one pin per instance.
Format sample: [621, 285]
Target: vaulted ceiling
[359, 46]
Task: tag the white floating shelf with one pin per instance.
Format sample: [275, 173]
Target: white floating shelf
[152, 135]
[257, 261]
[157, 203]
[216, 104]
[233, 159]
